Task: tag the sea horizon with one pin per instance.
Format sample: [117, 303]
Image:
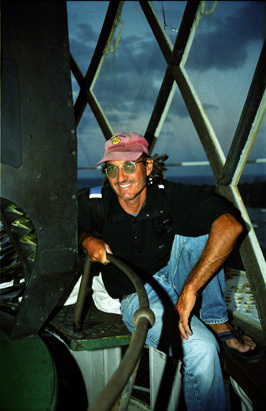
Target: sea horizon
[195, 180]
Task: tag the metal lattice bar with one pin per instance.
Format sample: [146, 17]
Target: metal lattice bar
[98, 57]
[251, 117]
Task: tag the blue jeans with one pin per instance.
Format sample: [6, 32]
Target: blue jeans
[201, 370]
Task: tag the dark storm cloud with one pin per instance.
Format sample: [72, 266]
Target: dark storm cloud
[85, 30]
[180, 109]
[82, 45]
[226, 46]
[222, 47]
[132, 75]
[138, 55]
[125, 78]
[81, 51]
[124, 87]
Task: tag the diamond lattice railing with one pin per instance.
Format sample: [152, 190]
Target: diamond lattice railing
[226, 169]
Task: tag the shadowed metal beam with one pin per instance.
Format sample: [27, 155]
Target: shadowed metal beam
[176, 58]
[96, 61]
[168, 86]
[201, 122]
[245, 134]
[160, 109]
[251, 117]
[91, 100]
[251, 254]
[160, 34]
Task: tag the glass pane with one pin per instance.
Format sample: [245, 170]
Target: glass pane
[75, 88]
[170, 14]
[255, 168]
[90, 149]
[129, 81]
[252, 186]
[222, 61]
[182, 144]
[85, 20]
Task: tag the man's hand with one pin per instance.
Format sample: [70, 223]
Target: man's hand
[96, 249]
[223, 234]
[184, 306]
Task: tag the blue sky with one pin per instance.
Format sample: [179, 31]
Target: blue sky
[220, 66]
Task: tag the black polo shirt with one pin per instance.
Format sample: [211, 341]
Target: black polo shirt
[142, 241]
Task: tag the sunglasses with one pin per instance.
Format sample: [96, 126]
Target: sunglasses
[129, 167]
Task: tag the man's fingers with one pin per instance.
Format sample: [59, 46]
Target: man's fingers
[184, 329]
[108, 250]
[97, 250]
[184, 307]
[182, 332]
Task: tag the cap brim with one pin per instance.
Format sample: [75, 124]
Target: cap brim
[121, 156]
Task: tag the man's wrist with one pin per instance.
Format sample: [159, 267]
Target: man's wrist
[190, 288]
[82, 237]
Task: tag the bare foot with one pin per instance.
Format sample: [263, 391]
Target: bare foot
[248, 345]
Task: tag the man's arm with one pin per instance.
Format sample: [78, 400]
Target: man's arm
[223, 234]
[95, 248]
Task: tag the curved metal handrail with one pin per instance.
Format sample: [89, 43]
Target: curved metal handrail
[143, 319]
[77, 323]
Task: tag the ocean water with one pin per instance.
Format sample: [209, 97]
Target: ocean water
[199, 180]
[93, 182]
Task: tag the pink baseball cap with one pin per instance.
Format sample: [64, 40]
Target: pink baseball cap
[125, 146]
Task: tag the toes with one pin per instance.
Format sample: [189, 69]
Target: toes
[235, 344]
[248, 341]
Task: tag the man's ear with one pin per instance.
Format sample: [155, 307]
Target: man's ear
[149, 166]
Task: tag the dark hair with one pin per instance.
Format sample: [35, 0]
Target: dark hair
[157, 174]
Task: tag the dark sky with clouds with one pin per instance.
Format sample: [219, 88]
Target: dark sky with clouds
[221, 64]
[231, 35]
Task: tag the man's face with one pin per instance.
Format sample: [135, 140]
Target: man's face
[129, 186]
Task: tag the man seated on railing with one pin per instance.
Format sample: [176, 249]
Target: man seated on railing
[176, 239]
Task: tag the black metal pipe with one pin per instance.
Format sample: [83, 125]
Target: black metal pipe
[77, 325]
[143, 319]
[142, 295]
[115, 386]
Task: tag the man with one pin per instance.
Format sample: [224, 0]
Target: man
[176, 239]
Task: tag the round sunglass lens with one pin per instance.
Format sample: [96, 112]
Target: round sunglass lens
[129, 167]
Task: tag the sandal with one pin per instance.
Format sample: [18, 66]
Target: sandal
[249, 356]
